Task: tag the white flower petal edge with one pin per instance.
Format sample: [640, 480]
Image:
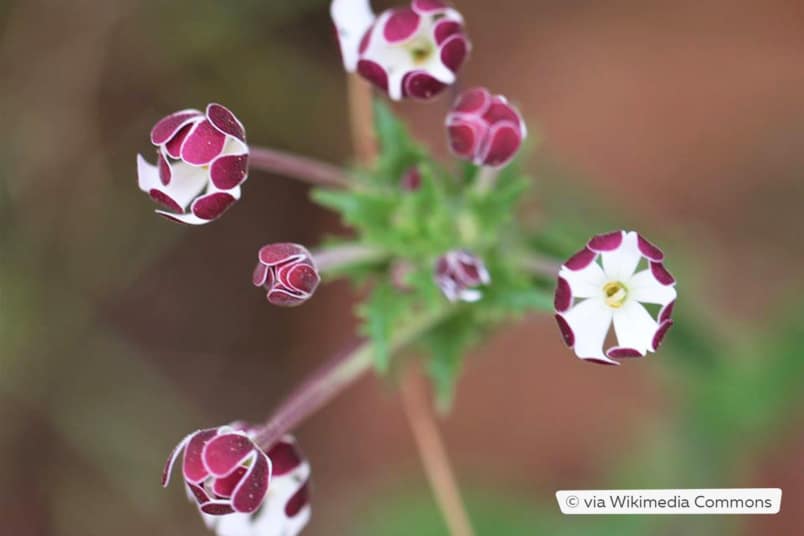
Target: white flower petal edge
[352, 19]
[600, 286]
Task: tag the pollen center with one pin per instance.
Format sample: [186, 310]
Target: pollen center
[614, 294]
[421, 50]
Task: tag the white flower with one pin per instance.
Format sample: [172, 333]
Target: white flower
[412, 51]
[591, 296]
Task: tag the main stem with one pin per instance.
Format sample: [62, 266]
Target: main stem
[297, 167]
[434, 457]
[431, 450]
[335, 376]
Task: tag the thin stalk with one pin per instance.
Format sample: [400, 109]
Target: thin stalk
[361, 119]
[486, 178]
[539, 264]
[297, 167]
[335, 376]
[433, 454]
[329, 259]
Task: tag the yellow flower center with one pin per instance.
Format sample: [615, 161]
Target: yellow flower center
[421, 49]
[614, 294]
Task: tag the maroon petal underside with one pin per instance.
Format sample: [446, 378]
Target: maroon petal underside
[173, 147]
[454, 51]
[280, 253]
[667, 311]
[581, 260]
[211, 206]
[167, 127]
[401, 25]
[260, 275]
[619, 352]
[203, 144]
[444, 29]
[374, 73]
[300, 277]
[225, 453]
[658, 338]
[285, 457]
[165, 173]
[606, 242]
[224, 487]
[649, 250]
[503, 143]
[199, 493]
[465, 135]
[563, 296]
[298, 501]
[225, 121]
[473, 101]
[420, 85]
[217, 508]
[428, 6]
[250, 492]
[193, 467]
[165, 200]
[229, 171]
[566, 331]
[661, 274]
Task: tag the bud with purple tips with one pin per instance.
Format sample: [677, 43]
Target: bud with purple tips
[202, 159]
[484, 128]
[458, 273]
[287, 272]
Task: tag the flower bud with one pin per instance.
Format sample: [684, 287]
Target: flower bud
[484, 128]
[202, 159]
[287, 272]
[407, 52]
[411, 180]
[241, 489]
[458, 273]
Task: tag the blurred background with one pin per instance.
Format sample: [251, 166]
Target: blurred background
[121, 332]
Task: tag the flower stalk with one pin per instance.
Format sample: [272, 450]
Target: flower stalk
[297, 167]
[333, 258]
[335, 376]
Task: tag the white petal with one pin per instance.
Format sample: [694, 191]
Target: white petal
[187, 183]
[644, 287]
[147, 175]
[586, 282]
[621, 263]
[236, 524]
[634, 326]
[589, 320]
[352, 19]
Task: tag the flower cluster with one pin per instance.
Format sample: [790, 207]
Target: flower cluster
[410, 51]
[591, 296]
[241, 489]
[244, 481]
[202, 159]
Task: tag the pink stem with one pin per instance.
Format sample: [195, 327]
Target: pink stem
[298, 167]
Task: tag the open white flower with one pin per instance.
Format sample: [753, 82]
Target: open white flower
[411, 51]
[590, 296]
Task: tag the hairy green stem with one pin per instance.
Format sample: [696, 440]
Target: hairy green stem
[335, 376]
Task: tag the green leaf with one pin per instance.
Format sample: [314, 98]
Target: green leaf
[385, 308]
[448, 343]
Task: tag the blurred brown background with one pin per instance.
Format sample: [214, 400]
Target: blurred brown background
[121, 332]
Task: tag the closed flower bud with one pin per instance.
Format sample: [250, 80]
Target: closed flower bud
[202, 159]
[411, 51]
[287, 272]
[484, 128]
[458, 274]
